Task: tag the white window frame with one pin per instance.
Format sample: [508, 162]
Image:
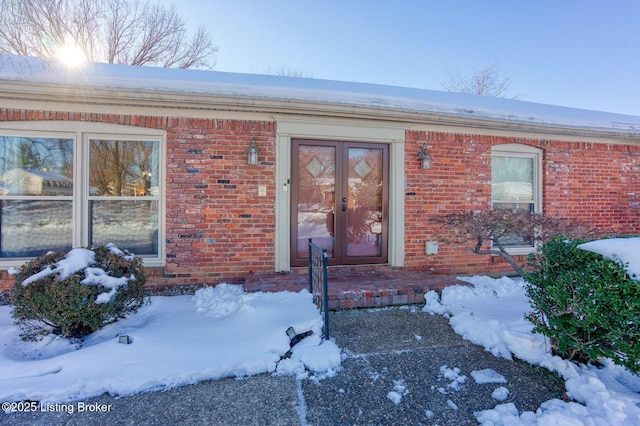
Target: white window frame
[81, 133]
[523, 151]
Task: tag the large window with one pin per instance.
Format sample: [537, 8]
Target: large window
[60, 190]
[36, 187]
[123, 194]
[516, 182]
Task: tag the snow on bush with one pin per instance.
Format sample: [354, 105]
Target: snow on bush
[587, 304]
[491, 312]
[78, 292]
[176, 342]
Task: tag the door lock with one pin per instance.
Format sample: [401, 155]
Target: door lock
[344, 204]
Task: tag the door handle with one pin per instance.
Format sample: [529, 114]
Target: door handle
[344, 204]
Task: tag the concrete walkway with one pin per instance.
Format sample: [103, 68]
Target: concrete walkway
[399, 350]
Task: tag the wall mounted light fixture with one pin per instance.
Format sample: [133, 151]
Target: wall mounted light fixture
[425, 158]
[252, 154]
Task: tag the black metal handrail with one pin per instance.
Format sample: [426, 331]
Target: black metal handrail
[318, 280]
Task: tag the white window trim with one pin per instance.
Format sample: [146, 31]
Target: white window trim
[80, 133]
[525, 151]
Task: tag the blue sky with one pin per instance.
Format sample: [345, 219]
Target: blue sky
[578, 53]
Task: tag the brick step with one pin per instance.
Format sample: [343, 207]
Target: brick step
[363, 289]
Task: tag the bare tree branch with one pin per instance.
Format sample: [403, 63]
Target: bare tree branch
[490, 229]
[487, 81]
[285, 71]
[113, 31]
[120, 19]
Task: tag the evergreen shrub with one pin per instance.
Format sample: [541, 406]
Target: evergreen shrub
[55, 293]
[585, 303]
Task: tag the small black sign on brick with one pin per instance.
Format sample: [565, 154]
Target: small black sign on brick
[318, 260]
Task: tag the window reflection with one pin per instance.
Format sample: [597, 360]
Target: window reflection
[119, 170]
[316, 199]
[513, 188]
[364, 222]
[32, 170]
[512, 178]
[42, 208]
[31, 228]
[36, 166]
[132, 225]
[123, 168]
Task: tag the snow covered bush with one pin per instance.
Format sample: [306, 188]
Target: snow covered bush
[76, 293]
[585, 303]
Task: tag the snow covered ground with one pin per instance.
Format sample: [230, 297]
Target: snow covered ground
[219, 332]
[223, 331]
[491, 314]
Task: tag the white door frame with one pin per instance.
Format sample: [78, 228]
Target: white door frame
[342, 130]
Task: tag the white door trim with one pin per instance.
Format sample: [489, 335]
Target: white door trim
[343, 130]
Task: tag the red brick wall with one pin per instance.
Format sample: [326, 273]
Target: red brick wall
[217, 226]
[596, 182]
[460, 179]
[219, 229]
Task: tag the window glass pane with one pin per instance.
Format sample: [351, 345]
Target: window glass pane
[513, 188]
[29, 228]
[515, 206]
[316, 176]
[364, 214]
[36, 166]
[512, 178]
[123, 168]
[515, 239]
[129, 224]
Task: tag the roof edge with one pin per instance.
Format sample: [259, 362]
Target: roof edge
[48, 94]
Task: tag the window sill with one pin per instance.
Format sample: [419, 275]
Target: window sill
[5, 265]
[519, 251]
[153, 262]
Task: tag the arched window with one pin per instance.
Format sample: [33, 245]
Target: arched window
[516, 177]
[516, 183]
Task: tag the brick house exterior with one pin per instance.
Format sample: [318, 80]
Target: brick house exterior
[219, 219]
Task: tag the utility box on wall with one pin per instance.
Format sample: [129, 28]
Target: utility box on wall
[431, 247]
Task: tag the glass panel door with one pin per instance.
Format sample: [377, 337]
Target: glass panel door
[339, 199]
[365, 202]
[315, 176]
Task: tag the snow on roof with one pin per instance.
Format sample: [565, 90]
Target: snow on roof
[253, 86]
